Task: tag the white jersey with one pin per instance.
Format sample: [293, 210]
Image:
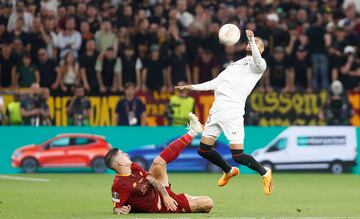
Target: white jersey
[235, 83]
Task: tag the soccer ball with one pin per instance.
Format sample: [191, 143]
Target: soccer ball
[229, 34]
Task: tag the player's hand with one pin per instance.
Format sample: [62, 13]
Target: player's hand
[249, 34]
[184, 87]
[170, 203]
[123, 210]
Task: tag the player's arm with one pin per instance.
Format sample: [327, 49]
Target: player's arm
[169, 202]
[122, 210]
[209, 85]
[120, 195]
[258, 61]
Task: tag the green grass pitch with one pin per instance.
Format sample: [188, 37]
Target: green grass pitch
[88, 196]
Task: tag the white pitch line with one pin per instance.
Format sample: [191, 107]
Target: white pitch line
[24, 178]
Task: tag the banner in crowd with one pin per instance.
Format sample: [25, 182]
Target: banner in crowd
[263, 108]
[63, 149]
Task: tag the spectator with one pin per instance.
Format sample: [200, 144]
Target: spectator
[337, 109]
[92, 18]
[38, 38]
[86, 35]
[47, 70]
[52, 44]
[105, 38]
[318, 56]
[132, 67]
[279, 76]
[18, 32]
[78, 108]
[26, 73]
[142, 35]
[181, 104]
[69, 72]
[123, 39]
[179, 69]
[300, 67]
[154, 75]
[69, 40]
[45, 119]
[205, 67]
[13, 111]
[125, 18]
[20, 11]
[29, 107]
[350, 69]
[108, 72]
[130, 111]
[7, 66]
[87, 67]
[158, 16]
[272, 34]
[185, 17]
[18, 50]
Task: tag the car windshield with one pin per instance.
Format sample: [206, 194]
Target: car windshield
[278, 145]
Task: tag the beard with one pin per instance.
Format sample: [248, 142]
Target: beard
[248, 52]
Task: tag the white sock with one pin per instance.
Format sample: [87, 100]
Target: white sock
[192, 133]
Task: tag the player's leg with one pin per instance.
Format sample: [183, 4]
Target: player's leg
[200, 204]
[173, 150]
[238, 155]
[234, 131]
[211, 132]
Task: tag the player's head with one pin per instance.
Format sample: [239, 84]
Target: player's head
[116, 159]
[259, 43]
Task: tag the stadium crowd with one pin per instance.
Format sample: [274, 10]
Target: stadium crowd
[152, 45]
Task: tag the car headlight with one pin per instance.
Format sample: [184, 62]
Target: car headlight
[17, 153]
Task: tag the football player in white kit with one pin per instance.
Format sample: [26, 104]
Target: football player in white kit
[232, 87]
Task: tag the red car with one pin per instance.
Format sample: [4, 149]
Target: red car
[65, 150]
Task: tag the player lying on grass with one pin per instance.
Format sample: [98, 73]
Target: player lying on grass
[232, 87]
[135, 190]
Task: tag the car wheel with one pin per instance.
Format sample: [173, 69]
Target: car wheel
[141, 162]
[268, 164]
[29, 165]
[337, 167]
[212, 168]
[98, 165]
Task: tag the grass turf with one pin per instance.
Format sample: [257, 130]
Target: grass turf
[88, 196]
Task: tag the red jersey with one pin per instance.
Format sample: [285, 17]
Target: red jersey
[136, 191]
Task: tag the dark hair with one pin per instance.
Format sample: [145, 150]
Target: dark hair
[129, 84]
[109, 156]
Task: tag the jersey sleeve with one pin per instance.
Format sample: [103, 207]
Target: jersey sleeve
[259, 62]
[209, 85]
[120, 195]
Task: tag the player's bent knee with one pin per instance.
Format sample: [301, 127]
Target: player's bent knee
[206, 204]
[159, 161]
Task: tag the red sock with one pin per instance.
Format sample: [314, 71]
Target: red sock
[173, 150]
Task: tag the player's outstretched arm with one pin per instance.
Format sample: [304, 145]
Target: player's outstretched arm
[169, 202]
[209, 85]
[258, 61]
[122, 210]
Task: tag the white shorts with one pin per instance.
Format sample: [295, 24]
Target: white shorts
[228, 122]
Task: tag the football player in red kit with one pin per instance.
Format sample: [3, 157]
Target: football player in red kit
[135, 190]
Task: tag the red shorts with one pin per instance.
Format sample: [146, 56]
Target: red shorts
[183, 203]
